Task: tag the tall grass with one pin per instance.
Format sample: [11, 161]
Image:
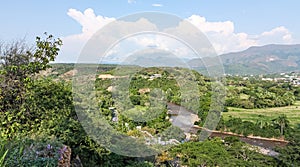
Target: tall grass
[3, 153]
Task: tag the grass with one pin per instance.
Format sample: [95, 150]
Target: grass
[266, 114]
[3, 152]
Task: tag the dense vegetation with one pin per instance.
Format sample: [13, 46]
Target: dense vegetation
[254, 93]
[38, 118]
[276, 128]
[230, 152]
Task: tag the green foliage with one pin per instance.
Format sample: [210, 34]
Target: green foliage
[40, 107]
[208, 153]
[173, 132]
[135, 133]
[49, 111]
[255, 93]
[3, 153]
[135, 99]
[140, 164]
[52, 103]
[231, 152]
[297, 93]
[246, 155]
[29, 152]
[18, 64]
[281, 122]
[46, 104]
[290, 155]
[260, 128]
[31, 106]
[59, 69]
[121, 161]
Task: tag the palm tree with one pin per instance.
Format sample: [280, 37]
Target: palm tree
[282, 121]
[261, 122]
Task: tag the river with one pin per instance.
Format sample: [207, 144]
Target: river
[184, 119]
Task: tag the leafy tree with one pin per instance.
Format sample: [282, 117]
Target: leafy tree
[297, 93]
[18, 64]
[208, 153]
[246, 155]
[32, 106]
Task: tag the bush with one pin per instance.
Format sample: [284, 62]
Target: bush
[48, 110]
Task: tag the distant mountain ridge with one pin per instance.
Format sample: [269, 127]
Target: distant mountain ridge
[259, 60]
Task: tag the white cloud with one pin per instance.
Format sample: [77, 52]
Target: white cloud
[90, 23]
[276, 35]
[275, 30]
[225, 28]
[224, 38]
[221, 34]
[88, 20]
[161, 42]
[157, 5]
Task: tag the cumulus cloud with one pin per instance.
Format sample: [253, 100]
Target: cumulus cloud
[224, 38]
[222, 35]
[276, 35]
[88, 20]
[225, 28]
[161, 42]
[90, 23]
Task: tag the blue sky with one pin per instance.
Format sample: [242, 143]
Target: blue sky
[30, 18]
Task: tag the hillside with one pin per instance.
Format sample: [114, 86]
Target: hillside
[259, 60]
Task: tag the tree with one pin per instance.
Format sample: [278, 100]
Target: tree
[289, 98]
[282, 122]
[207, 153]
[18, 63]
[297, 93]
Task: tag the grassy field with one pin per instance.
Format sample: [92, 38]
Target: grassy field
[266, 114]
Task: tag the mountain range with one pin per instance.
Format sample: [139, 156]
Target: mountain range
[258, 60]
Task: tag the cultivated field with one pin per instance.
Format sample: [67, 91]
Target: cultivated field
[266, 114]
